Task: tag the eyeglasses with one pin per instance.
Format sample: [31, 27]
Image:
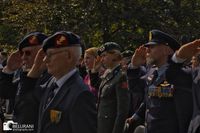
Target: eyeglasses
[49, 55]
[26, 53]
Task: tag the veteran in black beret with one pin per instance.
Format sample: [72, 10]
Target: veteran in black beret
[109, 46]
[113, 102]
[12, 80]
[167, 85]
[32, 39]
[67, 104]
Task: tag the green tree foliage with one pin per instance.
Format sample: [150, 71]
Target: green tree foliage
[126, 22]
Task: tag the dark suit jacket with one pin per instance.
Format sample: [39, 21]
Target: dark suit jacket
[8, 88]
[136, 87]
[195, 122]
[24, 91]
[71, 111]
[113, 105]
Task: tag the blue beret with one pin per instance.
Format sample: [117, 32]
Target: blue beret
[61, 39]
[32, 39]
[108, 46]
[157, 37]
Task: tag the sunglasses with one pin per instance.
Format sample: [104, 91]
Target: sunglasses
[26, 53]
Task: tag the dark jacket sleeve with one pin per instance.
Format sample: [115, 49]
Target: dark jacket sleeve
[26, 108]
[135, 83]
[83, 115]
[8, 89]
[123, 98]
[33, 85]
[181, 77]
[27, 103]
[141, 111]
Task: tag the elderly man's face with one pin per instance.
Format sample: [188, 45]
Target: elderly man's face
[28, 55]
[155, 54]
[56, 61]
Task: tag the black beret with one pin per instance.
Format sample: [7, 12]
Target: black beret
[108, 46]
[32, 39]
[157, 37]
[127, 53]
[61, 39]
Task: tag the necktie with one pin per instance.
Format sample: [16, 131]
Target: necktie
[51, 93]
[155, 75]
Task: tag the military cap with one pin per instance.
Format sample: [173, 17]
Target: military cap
[32, 39]
[127, 53]
[61, 39]
[108, 46]
[157, 37]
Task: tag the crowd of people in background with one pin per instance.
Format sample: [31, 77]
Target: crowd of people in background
[51, 83]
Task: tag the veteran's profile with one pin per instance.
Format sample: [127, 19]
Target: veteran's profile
[67, 104]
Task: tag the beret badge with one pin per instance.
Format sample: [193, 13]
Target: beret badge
[150, 36]
[102, 48]
[33, 40]
[61, 40]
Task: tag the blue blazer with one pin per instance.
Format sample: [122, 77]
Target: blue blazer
[71, 111]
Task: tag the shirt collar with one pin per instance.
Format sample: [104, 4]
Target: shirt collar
[64, 78]
[162, 69]
[108, 71]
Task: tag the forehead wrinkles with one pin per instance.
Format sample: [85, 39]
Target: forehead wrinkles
[56, 49]
[30, 48]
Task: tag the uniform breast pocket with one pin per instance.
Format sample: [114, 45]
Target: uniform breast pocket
[106, 115]
[107, 90]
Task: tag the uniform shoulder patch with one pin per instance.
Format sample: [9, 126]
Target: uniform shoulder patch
[124, 85]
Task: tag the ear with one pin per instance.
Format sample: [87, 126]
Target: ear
[170, 51]
[68, 55]
[167, 51]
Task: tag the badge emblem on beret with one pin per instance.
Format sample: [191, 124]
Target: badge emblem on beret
[150, 36]
[61, 40]
[102, 48]
[33, 40]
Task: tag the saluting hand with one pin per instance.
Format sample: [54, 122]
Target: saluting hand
[38, 66]
[139, 57]
[188, 50]
[14, 62]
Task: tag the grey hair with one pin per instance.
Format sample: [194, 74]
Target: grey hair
[76, 53]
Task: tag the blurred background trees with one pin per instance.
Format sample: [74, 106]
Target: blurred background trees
[126, 22]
